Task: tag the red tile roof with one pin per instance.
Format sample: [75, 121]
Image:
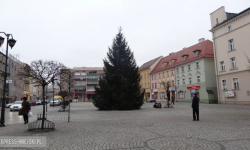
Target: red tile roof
[206, 50]
[148, 64]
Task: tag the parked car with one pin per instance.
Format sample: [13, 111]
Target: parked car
[33, 102]
[38, 102]
[56, 102]
[151, 100]
[17, 105]
[8, 105]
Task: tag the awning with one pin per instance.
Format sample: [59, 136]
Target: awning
[90, 92]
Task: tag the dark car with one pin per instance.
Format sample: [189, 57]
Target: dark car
[151, 100]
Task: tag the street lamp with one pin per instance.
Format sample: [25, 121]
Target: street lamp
[11, 42]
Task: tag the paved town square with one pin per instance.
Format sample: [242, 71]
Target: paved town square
[220, 127]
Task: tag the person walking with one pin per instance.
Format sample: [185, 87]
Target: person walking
[25, 110]
[195, 106]
[173, 99]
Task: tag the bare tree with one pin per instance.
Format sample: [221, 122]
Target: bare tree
[166, 85]
[41, 73]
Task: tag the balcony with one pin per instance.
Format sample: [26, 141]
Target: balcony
[92, 79]
[89, 74]
[95, 83]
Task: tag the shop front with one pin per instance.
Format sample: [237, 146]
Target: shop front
[90, 96]
[155, 94]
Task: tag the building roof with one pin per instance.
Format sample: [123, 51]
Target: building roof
[148, 64]
[231, 16]
[206, 50]
[88, 68]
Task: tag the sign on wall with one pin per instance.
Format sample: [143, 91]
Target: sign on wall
[193, 87]
[229, 94]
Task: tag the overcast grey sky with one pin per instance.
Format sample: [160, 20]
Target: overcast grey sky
[79, 32]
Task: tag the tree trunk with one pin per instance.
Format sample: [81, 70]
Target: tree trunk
[43, 107]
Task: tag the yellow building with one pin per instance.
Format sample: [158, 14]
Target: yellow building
[144, 71]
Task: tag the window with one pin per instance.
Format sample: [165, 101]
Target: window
[172, 73]
[217, 21]
[148, 85]
[189, 68]
[148, 76]
[222, 66]
[178, 82]
[190, 80]
[198, 79]
[152, 77]
[229, 28]
[167, 74]
[183, 81]
[159, 75]
[177, 70]
[155, 85]
[231, 45]
[184, 57]
[197, 65]
[196, 53]
[155, 76]
[163, 76]
[233, 62]
[152, 85]
[236, 83]
[182, 69]
[144, 76]
[224, 85]
[172, 82]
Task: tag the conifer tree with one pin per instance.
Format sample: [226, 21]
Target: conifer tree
[119, 88]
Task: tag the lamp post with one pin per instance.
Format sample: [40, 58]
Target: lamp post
[11, 42]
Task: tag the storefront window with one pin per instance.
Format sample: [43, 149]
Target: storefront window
[181, 95]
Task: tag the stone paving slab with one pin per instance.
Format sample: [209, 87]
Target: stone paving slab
[220, 127]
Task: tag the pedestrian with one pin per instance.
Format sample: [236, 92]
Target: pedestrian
[173, 99]
[25, 110]
[195, 106]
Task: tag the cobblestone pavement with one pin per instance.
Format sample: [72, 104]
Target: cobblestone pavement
[221, 127]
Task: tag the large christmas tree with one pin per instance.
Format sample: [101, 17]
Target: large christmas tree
[119, 88]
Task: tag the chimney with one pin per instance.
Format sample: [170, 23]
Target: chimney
[184, 47]
[171, 53]
[201, 40]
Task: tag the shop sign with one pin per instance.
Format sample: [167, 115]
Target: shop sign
[155, 90]
[172, 88]
[193, 87]
[229, 94]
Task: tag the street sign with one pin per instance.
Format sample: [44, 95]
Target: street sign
[9, 81]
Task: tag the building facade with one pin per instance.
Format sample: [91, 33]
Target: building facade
[83, 82]
[231, 48]
[195, 73]
[144, 71]
[16, 91]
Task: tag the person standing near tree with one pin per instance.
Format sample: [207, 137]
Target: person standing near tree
[25, 110]
[195, 106]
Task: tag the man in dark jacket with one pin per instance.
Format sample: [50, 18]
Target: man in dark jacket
[25, 110]
[195, 106]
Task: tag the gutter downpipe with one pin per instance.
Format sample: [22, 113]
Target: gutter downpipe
[216, 69]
